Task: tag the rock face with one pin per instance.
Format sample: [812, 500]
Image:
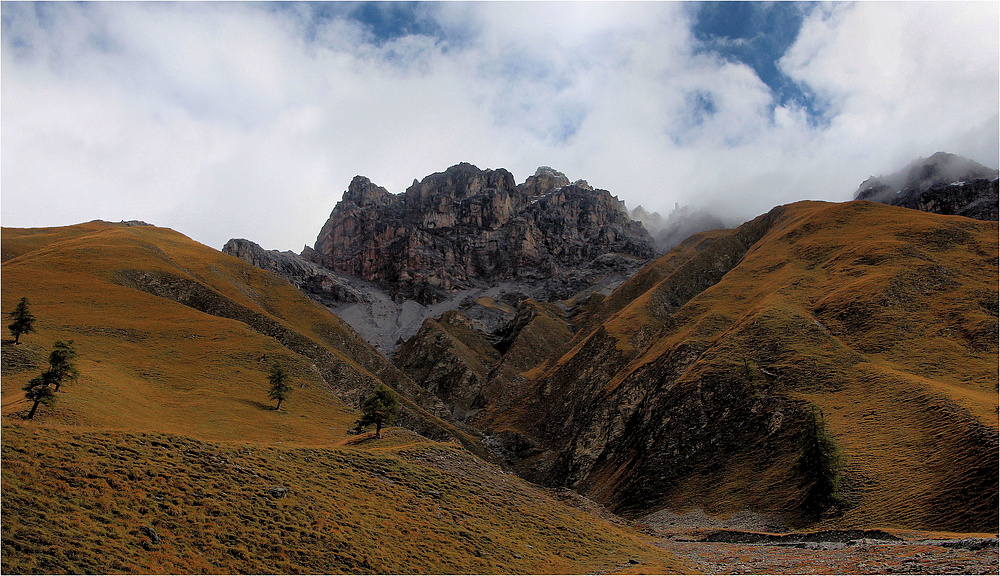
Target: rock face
[327, 287]
[942, 184]
[470, 228]
[973, 199]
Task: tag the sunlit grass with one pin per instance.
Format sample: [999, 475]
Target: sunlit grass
[882, 317]
[167, 456]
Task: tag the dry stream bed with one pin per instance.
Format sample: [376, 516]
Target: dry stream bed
[748, 543]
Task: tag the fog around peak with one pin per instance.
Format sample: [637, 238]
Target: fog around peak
[923, 173]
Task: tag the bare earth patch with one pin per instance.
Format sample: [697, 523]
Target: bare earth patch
[749, 543]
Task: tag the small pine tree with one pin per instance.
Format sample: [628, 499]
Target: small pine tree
[42, 388]
[380, 409]
[38, 390]
[279, 384]
[23, 320]
[61, 363]
[819, 465]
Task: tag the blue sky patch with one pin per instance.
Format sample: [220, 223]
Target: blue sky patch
[699, 107]
[384, 21]
[391, 20]
[758, 34]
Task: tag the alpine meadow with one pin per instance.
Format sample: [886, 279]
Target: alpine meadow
[583, 287]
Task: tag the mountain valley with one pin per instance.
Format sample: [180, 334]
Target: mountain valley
[573, 398]
[165, 456]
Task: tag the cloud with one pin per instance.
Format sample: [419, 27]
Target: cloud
[249, 120]
[923, 74]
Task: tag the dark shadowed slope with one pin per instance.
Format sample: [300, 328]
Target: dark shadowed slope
[697, 388]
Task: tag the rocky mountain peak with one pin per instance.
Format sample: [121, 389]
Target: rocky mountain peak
[467, 227]
[922, 174]
[366, 194]
[459, 182]
[544, 181]
[944, 184]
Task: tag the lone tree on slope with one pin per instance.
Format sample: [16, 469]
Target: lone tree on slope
[42, 388]
[820, 464]
[24, 320]
[381, 408]
[279, 384]
[61, 363]
[39, 391]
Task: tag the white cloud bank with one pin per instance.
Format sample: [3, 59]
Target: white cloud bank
[228, 120]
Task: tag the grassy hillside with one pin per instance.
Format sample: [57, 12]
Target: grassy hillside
[100, 502]
[166, 454]
[696, 388]
[150, 362]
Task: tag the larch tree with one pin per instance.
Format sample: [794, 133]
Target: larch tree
[23, 320]
[380, 409]
[39, 390]
[42, 388]
[819, 465]
[61, 363]
[279, 384]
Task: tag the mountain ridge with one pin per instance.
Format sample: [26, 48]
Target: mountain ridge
[593, 344]
[708, 364]
[165, 456]
[678, 380]
[943, 183]
[164, 269]
[459, 228]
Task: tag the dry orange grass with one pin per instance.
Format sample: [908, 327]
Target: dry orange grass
[884, 318]
[148, 363]
[169, 431]
[104, 502]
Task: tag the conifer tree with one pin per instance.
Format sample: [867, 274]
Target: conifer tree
[279, 384]
[42, 388]
[24, 320]
[819, 465]
[61, 363]
[39, 391]
[381, 408]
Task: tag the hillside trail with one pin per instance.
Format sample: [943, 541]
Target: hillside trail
[759, 551]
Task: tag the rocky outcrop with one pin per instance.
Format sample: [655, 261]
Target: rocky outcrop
[451, 359]
[464, 239]
[469, 228]
[320, 284]
[543, 181]
[942, 184]
[454, 359]
[973, 199]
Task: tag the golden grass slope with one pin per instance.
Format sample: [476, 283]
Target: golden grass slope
[169, 432]
[150, 363]
[104, 502]
[884, 318]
